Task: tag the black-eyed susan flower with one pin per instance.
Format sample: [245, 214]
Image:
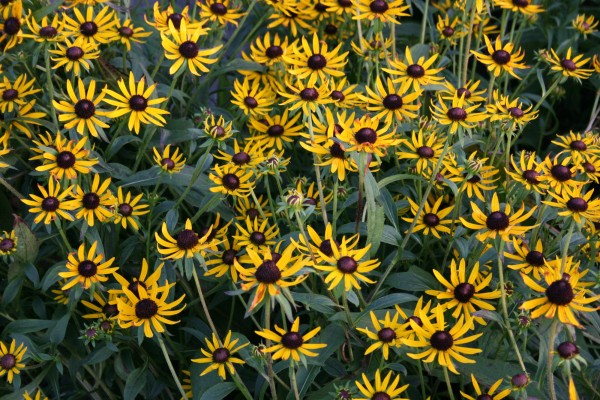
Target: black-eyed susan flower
[489, 394]
[570, 66]
[386, 389]
[227, 260]
[497, 222]
[375, 49]
[26, 115]
[366, 135]
[136, 101]
[457, 114]
[511, 113]
[345, 265]
[531, 261]
[591, 168]
[577, 146]
[269, 50]
[501, 58]
[150, 310]
[409, 332]
[331, 127]
[127, 33]
[310, 195]
[391, 103]
[96, 203]
[87, 268]
[61, 296]
[169, 161]
[219, 11]
[432, 220]
[53, 203]
[8, 243]
[271, 274]
[186, 244]
[291, 17]
[251, 98]
[560, 175]
[576, 205]
[527, 171]
[425, 146]
[67, 159]
[449, 29]
[46, 30]
[38, 396]
[273, 132]
[11, 359]
[102, 308]
[214, 233]
[318, 245]
[340, 7]
[387, 333]
[163, 17]
[244, 158]
[382, 10]
[585, 24]
[291, 344]
[418, 73]
[128, 209]
[332, 154]
[344, 95]
[144, 280]
[442, 342]
[464, 294]
[219, 129]
[247, 208]
[220, 356]
[74, 56]
[89, 28]
[306, 95]
[308, 60]
[475, 178]
[469, 91]
[525, 7]
[564, 294]
[182, 46]
[231, 180]
[596, 63]
[256, 235]
[13, 94]
[12, 28]
[82, 111]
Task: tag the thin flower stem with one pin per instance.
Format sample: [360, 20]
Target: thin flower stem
[335, 206]
[447, 379]
[511, 336]
[157, 67]
[423, 22]
[422, 379]
[595, 112]
[566, 247]
[465, 69]
[195, 175]
[268, 344]
[238, 30]
[63, 235]
[203, 302]
[50, 86]
[258, 206]
[549, 365]
[293, 382]
[306, 238]
[205, 207]
[317, 172]
[350, 322]
[11, 189]
[168, 360]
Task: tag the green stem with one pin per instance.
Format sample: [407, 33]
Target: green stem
[269, 358]
[447, 379]
[11, 189]
[350, 322]
[50, 86]
[424, 22]
[549, 365]
[565, 249]
[316, 162]
[335, 206]
[195, 175]
[594, 113]
[422, 379]
[203, 302]
[468, 47]
[168, 360]
[293, 382]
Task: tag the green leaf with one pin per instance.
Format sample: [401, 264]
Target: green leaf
[135, 383]
[27, 326]
[57, 333]
[317, 302]
[415, 280]
[390, 300]
[219, 391]
[398, 177]
[99, 355]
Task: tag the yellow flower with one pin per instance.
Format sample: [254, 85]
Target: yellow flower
[384, 389]
[51, 204]
[388, 333]
[291, 343]
[186, 244]
[251, 98]
[96, 203]
[13, 94]
[128, 33]
[586, 25]
[418, 73]
[306, 61]
[366, 136]
[524, 7]
[86, 268]
[501, 58]
[307, 96]
[220, 355]
[569, 66]
[171, 163]
[489, 394]
[432, 219]
[75, 55]
[11, 359]
[459, 114]
[220, 11]
[382, 10]
[231, 180]
[529, 261]
[577, 205]
[12, 28]
[127, 210]
[89, 28]
[68, 159]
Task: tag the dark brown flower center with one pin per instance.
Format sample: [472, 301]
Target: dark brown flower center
[463, 91]
[578, 145]
[415, 71]
[217, 131]
[485, 396]
[268, 272]
[317, 61]
[48, 32]
[520, 3]
[50, 204]
[392, 102]
[379, 6]
[12, 26]
[241, 158]
[431, 220]
[250, 102]
[386, 335]
[187, 239]
[516, 112]
[6, 244]
[309, 94]
[125, 31]
[138, 103]
[561, 173]
[577, 204]
[567, 350]
[218, 8]
[175, 18]
[337, 95]
[87, 268]
[560, 292]
[330, 29]
[416, 319]
[228, 256]
[91, 200]
[347, 265]
[146, 309]
[519, 380]
[125, 209]
[366, 135]
[88, 28]
[569, 65]
[345, 3]
[501, 57]
[531, 176]
[258, 238]
[65, 159]
[320, 7]
[325, 247]
[381, 396]
[441, 340]
[337, 151]
[85, 109]
[497, 221]
[252, 213]
[535, 258]
[74, 53]
[474, 179]
[292, 340]
[274, 52]
[463, 292]
[220, 355]
[204, 231]
[275, 130]
[589, 167]
[110, 310]
[231, 181]
[425, 152]
[168, 163]
[10, 94]
[456, 114]
[188, 49]
[8, 361]
[448, 31]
